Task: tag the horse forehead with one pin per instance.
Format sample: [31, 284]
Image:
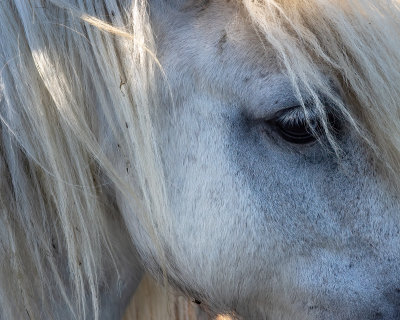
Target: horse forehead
[219, 44]
[216, 21]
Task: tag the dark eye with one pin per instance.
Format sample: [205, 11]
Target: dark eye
[296, 132]
[293, 126]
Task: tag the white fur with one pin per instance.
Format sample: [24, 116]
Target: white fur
[140, 129]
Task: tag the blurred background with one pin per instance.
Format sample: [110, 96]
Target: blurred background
[151, 303]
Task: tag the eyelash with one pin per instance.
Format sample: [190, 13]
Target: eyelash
[293, 126]
[294, 115]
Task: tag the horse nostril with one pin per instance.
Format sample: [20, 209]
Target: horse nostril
[378, 315]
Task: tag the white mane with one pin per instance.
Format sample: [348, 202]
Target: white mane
[78, 76]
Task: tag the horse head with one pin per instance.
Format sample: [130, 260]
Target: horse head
[247, 152]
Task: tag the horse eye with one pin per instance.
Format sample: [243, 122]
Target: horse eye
[293, 127]
[299, 132]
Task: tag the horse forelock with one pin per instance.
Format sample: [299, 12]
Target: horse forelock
[350, 43]
[64, 83]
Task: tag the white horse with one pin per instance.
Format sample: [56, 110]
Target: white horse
[246, 152]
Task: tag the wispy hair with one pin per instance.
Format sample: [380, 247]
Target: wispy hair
[77, 75]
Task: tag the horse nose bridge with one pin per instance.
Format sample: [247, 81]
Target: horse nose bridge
[385, 306]
[392, 296]
[333, 286]
[366, 288]
[369, 220]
